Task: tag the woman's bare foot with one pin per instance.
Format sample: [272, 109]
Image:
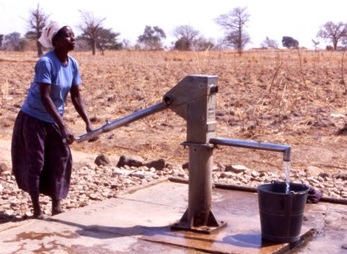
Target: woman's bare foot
[39, 216]
[56, 209]
[36, 206]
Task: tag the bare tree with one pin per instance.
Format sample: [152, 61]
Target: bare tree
[315, 44]
[36, 22]
[203, 44]
[333, 32]
[234, 24]
[269, 43]
[91, 28]
[185, 35]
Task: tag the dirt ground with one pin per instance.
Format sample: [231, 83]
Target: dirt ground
[293, 97]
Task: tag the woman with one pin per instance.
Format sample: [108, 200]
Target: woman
[41, 156]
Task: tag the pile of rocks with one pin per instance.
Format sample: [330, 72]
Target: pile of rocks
[101, 180]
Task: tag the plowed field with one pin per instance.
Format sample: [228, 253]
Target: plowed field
[294, 97]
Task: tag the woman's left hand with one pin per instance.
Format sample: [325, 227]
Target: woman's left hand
[68, 136]
[88, 129]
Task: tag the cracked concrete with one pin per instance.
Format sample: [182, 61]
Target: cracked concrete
[330, 223]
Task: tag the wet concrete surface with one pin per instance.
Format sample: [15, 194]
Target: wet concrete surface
[141, 222]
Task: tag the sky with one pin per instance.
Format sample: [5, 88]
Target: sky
[300, 19]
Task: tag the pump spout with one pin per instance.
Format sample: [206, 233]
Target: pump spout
[285, 149]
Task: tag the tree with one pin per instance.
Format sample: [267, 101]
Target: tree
[185, 35]
[36, 22]
[315, 43]
[1, 39]
[91, 29]
[333, 32]
[108, 40]
[182, 44]
[234, 24]
[13, 42]
[202, 44]
[151, 39]
[126, 44]
[289, 42]
[198, 44]
[269, 43]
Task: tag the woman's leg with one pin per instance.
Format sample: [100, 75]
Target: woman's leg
[27, 150]
[56, 209]
[36, 206]
[56, 173]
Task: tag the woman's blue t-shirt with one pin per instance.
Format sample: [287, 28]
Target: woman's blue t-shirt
[50, 70]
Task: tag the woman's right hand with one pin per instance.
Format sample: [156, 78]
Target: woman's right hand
[89, 128]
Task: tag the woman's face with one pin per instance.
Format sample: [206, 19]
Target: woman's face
[64, 39]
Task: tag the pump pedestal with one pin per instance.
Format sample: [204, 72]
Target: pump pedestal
[194, 99]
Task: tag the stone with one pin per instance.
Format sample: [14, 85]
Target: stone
[94, 183]
[157, 164]
[324, 175]
[3, 167]
[129, 161]
[123, 172]
[313, 171]
[341, 176]
[102, 160]
[236, 168]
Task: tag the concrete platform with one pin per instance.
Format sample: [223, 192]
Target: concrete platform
[140, 222]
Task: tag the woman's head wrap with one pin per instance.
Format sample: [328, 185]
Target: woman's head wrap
[48, 33]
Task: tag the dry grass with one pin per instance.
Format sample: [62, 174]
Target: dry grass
[294, 97]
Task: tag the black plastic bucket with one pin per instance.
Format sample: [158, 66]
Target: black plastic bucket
[281, 213]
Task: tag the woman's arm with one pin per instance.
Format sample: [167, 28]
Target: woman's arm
[79, 106]
[45, 90]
